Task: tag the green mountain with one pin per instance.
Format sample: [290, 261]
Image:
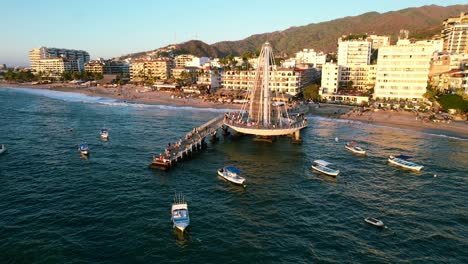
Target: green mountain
[422, 22]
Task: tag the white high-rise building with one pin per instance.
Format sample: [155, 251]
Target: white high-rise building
[330, 78]
[402, 69]
[455, 34]
[354, 51]
[70, 60]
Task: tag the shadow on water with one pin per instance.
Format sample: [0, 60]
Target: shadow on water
[182, 239]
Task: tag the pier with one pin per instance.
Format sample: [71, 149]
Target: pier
[193, 141]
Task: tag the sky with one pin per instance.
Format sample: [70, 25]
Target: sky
[111, 28]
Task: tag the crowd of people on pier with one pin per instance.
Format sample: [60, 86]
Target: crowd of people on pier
[235, 118]
[174, 148]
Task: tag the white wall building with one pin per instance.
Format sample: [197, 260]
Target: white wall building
[330, 78]
[378, 41]
[402, 69]
[309, 56]
[75, 59]
[288, 81]
[197, 62]
[455, 34]
[209, 78]
[351, 52]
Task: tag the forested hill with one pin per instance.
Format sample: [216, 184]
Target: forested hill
[422, 22]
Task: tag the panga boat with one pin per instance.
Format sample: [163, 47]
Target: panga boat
[83, 149]
[374, 222]
[179, 213]
[401, 160]
[2, 149]
[231, 174]
[353, 147]
[322, 166]
[104, 133]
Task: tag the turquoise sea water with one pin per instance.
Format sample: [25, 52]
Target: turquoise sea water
[56, 207]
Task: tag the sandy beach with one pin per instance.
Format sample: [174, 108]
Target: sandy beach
[408, 120]
[401, 119]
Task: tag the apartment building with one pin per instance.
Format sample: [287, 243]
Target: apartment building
[107, 67]
[309, 56]
[182, 60]
[330, 78]
[360, 77]
[403, 69]
[74, 60]
[455, 34]
[209, 78]
[144, 70]
[352, 51]
[56, 66]
[378, 41]
[285, 80]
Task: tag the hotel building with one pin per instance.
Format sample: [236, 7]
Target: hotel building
[285, 80]
[402, 69]
[353, 70]
[354, 51]
[209, 78]
[107, 67]
[158, 69]
[57, 60]
[182, 60]
[455, 34]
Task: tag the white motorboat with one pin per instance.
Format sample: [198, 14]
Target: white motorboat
[322, 166]
[353, 147]
[2, 149]
[84, 149]
[231, 174]
[374, 222]
[104, 133]
[179, 213]
[402, 161]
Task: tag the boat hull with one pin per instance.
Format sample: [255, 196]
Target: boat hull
[354, 150]
[2, 150]
[230, 179]
[374, 222]
[329, 172]
[180, 216]
[414, 166]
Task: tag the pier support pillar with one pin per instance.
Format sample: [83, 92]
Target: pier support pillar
[296, 137]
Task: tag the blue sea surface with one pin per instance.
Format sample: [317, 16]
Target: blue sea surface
[58, 207]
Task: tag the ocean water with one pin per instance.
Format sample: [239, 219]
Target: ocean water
[56, 207]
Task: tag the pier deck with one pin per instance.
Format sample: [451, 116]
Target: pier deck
[193, 141]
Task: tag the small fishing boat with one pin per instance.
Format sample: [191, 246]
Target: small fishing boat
[353, 147]
[322, 166]
[84, 149]
[104, 133]
[231, 174]
[179, 213]
[402, 161]
[374, 222]
[2, 149]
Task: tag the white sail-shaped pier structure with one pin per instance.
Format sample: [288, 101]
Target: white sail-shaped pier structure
[262, 116]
